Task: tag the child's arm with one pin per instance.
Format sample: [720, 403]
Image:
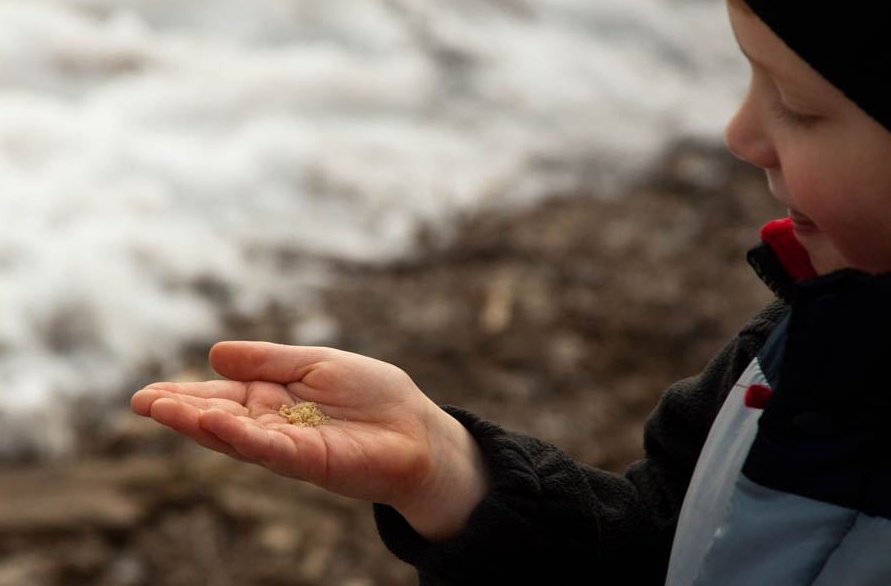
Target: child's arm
[385, 442]
[548, 519]
[466, 503]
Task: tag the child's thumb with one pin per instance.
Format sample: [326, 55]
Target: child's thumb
[264, 361]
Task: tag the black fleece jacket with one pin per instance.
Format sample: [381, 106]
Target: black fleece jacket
[550, 520]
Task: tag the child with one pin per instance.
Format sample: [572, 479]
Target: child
[770, 467]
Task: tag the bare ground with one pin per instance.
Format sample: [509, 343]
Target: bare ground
[564, 320]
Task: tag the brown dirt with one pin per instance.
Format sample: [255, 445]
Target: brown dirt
[564, 320]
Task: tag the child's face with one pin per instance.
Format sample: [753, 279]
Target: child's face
[825, 159]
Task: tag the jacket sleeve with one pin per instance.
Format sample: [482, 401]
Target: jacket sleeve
[547, 516]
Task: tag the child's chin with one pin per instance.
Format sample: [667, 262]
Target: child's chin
[825, 257]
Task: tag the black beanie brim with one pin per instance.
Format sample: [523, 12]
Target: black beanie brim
[848, 45]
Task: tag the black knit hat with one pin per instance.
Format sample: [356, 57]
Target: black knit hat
[847, 44]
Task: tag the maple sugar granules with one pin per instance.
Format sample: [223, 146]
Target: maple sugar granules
[305, 414]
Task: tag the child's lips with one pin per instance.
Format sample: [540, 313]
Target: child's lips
[802, 224]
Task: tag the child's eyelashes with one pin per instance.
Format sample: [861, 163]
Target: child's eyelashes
[790, 117]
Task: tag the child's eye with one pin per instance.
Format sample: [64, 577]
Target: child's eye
[790, 117]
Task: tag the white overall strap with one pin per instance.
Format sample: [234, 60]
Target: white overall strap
[716, 473]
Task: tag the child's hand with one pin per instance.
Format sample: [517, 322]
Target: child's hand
[386, 442]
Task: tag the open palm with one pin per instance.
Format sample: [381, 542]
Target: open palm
[374, 447]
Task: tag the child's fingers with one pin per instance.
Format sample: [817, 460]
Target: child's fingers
[217, 389]
[183, 418]
[251, 439]
[264, 361]
[143, 400]
[243, 435]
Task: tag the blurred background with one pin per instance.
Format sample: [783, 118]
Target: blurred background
[525, 204]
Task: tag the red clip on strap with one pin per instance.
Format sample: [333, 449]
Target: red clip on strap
[757, 396]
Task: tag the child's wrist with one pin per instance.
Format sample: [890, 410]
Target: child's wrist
[457, 483]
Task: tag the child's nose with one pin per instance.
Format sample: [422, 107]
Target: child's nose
[746, 137]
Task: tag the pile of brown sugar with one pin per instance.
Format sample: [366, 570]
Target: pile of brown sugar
[305, 414]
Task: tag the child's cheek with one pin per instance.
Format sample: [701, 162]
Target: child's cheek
[811, 195]
[868, 245]
[860, 235]
[859, 223]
